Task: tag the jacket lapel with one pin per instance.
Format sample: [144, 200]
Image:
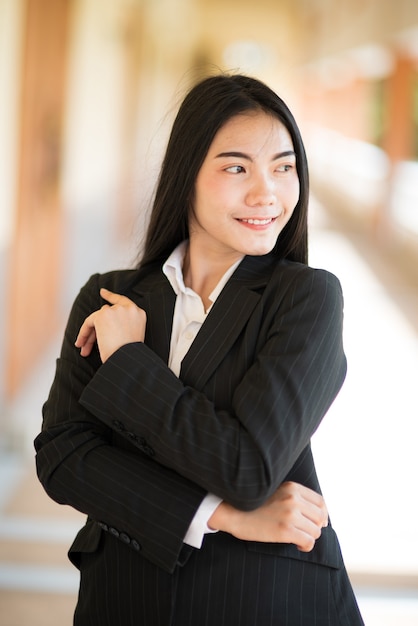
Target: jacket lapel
[226, 320]
[155, 295]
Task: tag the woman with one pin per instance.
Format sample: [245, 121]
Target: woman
[180, 419]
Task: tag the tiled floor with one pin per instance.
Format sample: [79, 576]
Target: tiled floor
[365, 452]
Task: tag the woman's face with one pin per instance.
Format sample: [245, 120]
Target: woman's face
[246, 189]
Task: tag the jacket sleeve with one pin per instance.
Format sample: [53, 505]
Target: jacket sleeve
[241, 454]
[80, 464]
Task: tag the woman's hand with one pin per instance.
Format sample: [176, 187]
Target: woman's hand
[293, 514]
[112, 326]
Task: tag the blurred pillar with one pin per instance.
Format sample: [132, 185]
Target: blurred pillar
[133, 35]
[338, 101]
[398, 141]
[36, 246]
[398, 137]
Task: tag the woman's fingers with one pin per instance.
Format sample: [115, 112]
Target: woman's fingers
[315, 509]
[114, 325]
[86, 337]
[114, 298]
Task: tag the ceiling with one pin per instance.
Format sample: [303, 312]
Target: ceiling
[302, 30]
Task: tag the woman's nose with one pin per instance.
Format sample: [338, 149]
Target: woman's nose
[261, 191]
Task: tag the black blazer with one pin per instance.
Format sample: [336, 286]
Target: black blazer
[137, 449]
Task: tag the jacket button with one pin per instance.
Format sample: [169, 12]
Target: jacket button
[118, 425]
[114, 531]
[103, 526]
[148, 450]
[124, 537]
[135, 545]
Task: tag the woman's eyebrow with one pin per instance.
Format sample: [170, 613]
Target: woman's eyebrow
[242, 155]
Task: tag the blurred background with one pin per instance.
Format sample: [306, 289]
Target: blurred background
[88, 91]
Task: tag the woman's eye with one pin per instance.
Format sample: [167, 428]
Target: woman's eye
[235, 169]
[286, 167]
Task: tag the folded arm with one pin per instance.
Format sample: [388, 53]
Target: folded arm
[243, 454]
[135, 479]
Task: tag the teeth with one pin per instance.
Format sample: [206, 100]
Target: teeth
[257, 222]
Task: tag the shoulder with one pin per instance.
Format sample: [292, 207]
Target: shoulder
[304, 277]
[88, 298]
[123, 281]
[116, 280]
[295, 285]
[280, 279]
[272, 272]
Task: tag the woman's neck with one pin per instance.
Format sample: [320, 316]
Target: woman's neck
[202, 273]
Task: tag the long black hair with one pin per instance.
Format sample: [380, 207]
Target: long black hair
[205, 109]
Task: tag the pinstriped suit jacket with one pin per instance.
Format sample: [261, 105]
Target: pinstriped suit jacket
[137, 449]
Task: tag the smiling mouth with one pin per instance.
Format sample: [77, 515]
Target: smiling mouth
[258, 221]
